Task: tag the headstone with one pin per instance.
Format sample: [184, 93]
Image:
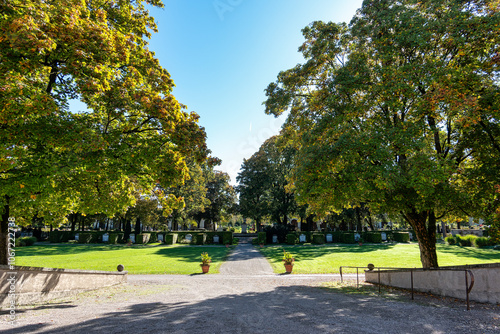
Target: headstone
[160, 237]
[244, 228]
[318, 226]
[275, 239]
[105, 237]
[384, 236]
[216, 239]
[411, 235]
[357, 236]
[132, 238]
[170, 225]
[202, 223]
[189, 237]
[77, 237]
[329, 238]
[302, 238]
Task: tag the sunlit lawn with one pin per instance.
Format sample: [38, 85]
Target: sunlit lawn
[137, 259]
[328, 259]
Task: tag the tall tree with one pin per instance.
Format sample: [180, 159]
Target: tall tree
[52, 52]
[381, 110]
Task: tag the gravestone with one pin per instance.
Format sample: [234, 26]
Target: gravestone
[105, 237]
[189, 237]
[275, 239]
[384, 236]
[357, 236]
[302, 238]
[411, 235]
[132, 238]
[244, 228]
[216, 239]
[160, 237]
[77, 236]
[329, 238]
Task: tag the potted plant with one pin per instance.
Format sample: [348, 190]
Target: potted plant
[288, 261]
[205, 262]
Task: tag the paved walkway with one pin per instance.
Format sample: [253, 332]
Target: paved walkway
[246, 298]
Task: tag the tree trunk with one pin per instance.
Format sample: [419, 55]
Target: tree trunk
[424, 226]
[128, 230]
[4, 233]
[359, 226]
[138, 226]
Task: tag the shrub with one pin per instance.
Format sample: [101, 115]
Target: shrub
[115, 238]
[262, 237]
[153, 237]
[291, 238]
[227, 238]
[401, 236]
[142, 238]
[318, 238]
[199, 238]
[347, 238]
[466, 241]
[280, 230]
[61, 236]
[375, 237]
[450, 240]
[25, 241]
[481, 242]
[88, 238]
[171, 238]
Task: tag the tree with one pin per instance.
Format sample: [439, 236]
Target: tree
[382, 109]
[53, 52]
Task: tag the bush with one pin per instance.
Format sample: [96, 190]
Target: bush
[375, 237]
[450, 240]
[481, 242]
[199, 238]
[25, 241]
[171, 238]
[153, 237]
[466, 240]
[262, 237]
[88, 238]
[115, 238]
[61, 236]
[291, 238]
[347, 238]
[318, 238]
[401, 236]
[142, 238]
[227, 238]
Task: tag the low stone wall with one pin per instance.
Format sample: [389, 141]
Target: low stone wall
[447, 283]
[29, 285]
[478, 233]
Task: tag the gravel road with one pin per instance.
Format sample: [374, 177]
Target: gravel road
[247, 297]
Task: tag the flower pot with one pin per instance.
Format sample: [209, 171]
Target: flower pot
[288, 268]
[205, 268]
[261, 245]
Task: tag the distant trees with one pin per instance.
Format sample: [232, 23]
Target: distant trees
[398, 110]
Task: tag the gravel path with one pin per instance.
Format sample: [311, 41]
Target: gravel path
[257, 301]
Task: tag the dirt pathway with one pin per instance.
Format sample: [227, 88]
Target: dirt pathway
[245, 260]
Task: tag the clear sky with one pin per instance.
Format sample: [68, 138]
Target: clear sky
[222, 54]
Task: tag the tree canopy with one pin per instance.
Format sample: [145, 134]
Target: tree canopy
[398, 110]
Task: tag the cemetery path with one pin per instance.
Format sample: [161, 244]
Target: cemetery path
[247, 298]
[245, 260]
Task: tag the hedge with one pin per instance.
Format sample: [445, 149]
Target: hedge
[170, 238]
[25, 241]
[262, 237]
[142, 238]
[88, 238]
[115, 238]
[401, 236]
[374, 237]
[347, 238]
[61, 236]
[153, 237]
[291, 238]
[318, 238]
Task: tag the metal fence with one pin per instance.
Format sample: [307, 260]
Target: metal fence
[467, 273]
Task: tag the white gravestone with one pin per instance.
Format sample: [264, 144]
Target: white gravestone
[188, 237]
[105, 237]
[132, 238]
[329, 238]
[160, 237]
[384, 236]
[77, 237]
[244, 228]
[411, 235]
[275, 239]
[302, 238]
[216, 239]
[357, 236]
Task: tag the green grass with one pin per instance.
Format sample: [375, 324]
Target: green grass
[328, 259]
[137, 259]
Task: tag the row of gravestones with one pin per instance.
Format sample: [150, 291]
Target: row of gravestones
[188, 237]
[329, 237]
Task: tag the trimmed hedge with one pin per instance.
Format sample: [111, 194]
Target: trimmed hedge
[291, 238]
[318, 238]
[25, 241]
[401, 236]
[88, 238]
[153, 237]
[374, 237]
[262, 237]
[170, 238]
[142, 238]
[450, 240]
[481, 242]
[347, 238]
[61, 236]
[115, 238]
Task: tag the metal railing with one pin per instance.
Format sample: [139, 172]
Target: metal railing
[468, 287]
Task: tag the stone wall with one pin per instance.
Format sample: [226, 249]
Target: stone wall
[31, 285]
[447, 283]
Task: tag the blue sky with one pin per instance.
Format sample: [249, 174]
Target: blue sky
[222, 54]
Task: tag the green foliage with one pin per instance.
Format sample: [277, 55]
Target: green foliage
[262, 237]
[142, 238]
[227, 238]
[451, 240]
[288, 257]
[205, 258]
[25, 241]
[279, 230]
[481, 242]
[61, 236]
[347, 238]
[170, 238]
[115, 238]
[401, 236]
[291, 238]
[374, 237]
[88, 238]
[318, 238]
[466, 240]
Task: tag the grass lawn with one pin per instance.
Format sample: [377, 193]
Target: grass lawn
[328, 259]
[137, 259]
